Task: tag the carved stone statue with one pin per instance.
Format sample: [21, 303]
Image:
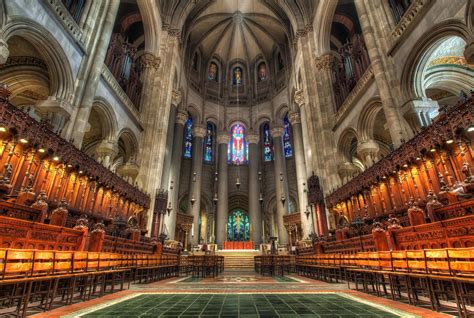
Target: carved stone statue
[415, 214]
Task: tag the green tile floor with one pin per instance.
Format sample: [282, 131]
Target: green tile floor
[240, 305]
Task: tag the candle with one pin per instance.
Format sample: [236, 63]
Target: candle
[192, 230]
[263, 230]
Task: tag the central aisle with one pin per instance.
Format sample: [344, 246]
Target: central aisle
[239, 293]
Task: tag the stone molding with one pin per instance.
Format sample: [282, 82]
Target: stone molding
[66, 20]
[277, 132]
[324, 61]
[294, 117]
[181, 117]
[354, 95]
[199, 131]
[149, 60]
[223, 138]
[253, 139]
[414, 12]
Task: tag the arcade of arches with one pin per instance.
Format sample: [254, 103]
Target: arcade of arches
[173, 129]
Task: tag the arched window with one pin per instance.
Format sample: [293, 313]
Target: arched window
[209, 143]
[188, 138]
[287, 147]
[213, 72]
[238, 226]
[237, 148]
[237, 76]
[267, 143]
[262, 72]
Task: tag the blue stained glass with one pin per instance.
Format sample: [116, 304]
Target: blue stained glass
[208, 143]
[238, 226]
[237, 150]
[267, 143]
[287, 147]
[188, 138]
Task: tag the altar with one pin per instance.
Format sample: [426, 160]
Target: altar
[238, 245]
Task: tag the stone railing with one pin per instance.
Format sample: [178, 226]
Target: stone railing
[65, 18]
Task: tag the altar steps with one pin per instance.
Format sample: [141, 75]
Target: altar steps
[242, 260]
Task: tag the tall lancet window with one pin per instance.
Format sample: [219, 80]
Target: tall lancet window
[209, 143]
[188, 138]
[237, 148]
[267, 143]
[287, 147]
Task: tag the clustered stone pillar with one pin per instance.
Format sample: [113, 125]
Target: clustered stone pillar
[170, 221]
[301, 177]
[82, 117]
[254, 189]
[222, 188]
[106, 152]
[194, 208]
[165, 178]
[281, 187]
[395, 120]
[4, 52]
[368, 150]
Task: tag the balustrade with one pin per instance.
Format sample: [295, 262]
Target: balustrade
[75, 8]
[398, 8]
[349, 67]
[123, 63]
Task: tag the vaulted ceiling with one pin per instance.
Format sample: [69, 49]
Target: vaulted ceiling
[232, 30]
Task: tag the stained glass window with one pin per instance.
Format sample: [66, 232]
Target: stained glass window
[237, 76]
[209, 143]
[212, 73]
[188, 138]
[262, 71]
[287, 147]
[238, 226]
[267, 143]
[237, 148]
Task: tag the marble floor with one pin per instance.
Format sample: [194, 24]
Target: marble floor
[240, 294]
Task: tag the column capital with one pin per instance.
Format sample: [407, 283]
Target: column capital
[54, 105]
[149, 60]
[181, 117]
[252, 139]
[223, 138]
[299, 97]
[4, 52]
[176, 97]
[277, 132]
[106, 147]
[199, 130]
[294, 117]
[324, 61]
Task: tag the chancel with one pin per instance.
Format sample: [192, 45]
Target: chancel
[236, 158]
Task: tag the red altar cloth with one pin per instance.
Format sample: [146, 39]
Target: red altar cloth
[238, 245]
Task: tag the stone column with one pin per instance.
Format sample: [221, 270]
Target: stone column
[254, 189]
[106, 152]
[165, 179]
[281, 186]
[82, 117]
[222, 188]
[4, 52]
[175, 171]
[196, 177]
[395, 121]
[57, 111]
[301, 177]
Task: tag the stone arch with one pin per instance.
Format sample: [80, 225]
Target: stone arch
[365, 125]
[280, 113]
[345, 144]
[128, 145]
[411, 81]
[108, 118]
[322, 26]
[60, 72]
[195, 113]
[152, 25]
